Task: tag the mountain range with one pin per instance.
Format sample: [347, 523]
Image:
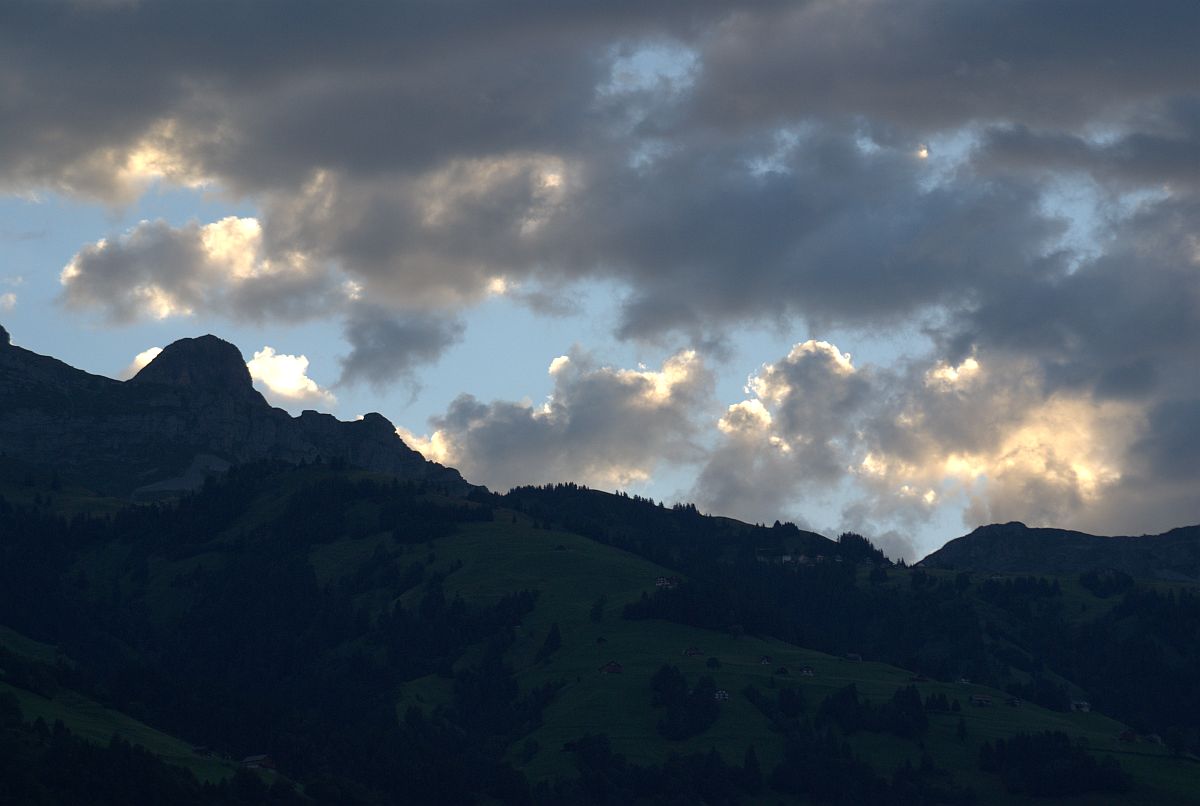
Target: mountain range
[191, 411]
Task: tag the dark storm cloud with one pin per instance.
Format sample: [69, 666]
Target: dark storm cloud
[426, 148]
[823, 230]
[386, 347]
[1166, 156]
[1125, 323]
[932, 65]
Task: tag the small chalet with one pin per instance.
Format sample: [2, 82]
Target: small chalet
[1015, 702]
[962, 681]
[765, 660]
[666, 583]
[693, 652]
[854, 657]
[1083, 706]
[259, 762]
[918, 678]
[612, 667]
[807, 671]
[721, 695]
[981, 701]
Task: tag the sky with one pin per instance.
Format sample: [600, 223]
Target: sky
[901, 268]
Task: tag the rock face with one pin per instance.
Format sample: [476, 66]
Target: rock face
[1014, 548]
[189, 412]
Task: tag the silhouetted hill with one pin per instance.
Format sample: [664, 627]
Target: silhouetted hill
[191, 411]
[1016, 548]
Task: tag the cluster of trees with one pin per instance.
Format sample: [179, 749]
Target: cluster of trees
[1106, 583]
[903, 715]
[942, 626]
[217, 628]
[687, 710]
[43, 764]
[609, 779]
[1048, 764]
[819, 765]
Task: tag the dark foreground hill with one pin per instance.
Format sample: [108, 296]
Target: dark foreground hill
[191, 411]
[1015, 548]
[385, 643]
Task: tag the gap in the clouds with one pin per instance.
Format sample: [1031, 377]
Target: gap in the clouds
[649, 65]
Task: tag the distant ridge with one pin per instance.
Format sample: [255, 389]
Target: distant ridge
[191, 411]
[1016, 548]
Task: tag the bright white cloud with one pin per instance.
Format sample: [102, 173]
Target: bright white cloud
[947, 377]
[140, 360]
[286, 377]
[8, 301]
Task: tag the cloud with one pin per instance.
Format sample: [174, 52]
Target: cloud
[997, 442]
[8, 301]
[156, 271]
[585, 152]
[790, 438]
[140, 360]
[286, 378]
[602, 426]
[991, 436]
[385, 347]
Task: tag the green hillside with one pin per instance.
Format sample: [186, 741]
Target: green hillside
[572, 573]
[94, 722]
[383, 640]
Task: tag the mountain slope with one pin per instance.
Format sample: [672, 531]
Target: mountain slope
[1017, 548]
[191, 411]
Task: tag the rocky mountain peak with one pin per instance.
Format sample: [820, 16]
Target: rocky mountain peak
[5, 339]
[205, 362]
[190, 412]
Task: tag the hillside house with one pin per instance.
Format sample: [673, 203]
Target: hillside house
[721, 695]
[980, 701]
[1015, 702]
[258, 762]
[854, 657]
[807, 671]
[612, 667]
[1082, 706]
[667, 583]
[692, 652]
[765, 660]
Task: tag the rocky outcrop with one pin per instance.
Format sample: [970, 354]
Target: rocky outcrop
[191, 411]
